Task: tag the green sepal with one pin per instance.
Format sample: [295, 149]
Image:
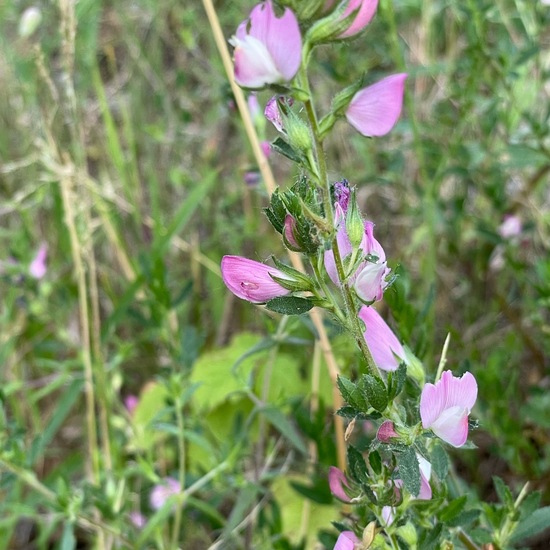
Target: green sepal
[276, 212]
[285, 149]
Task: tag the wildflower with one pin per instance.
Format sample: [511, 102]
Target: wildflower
[369, 246]
[445, 406]
[510, 227]
[384, 346]
[138, 519]
[346, 541]
[38, 268]
[365, 12]
[337, 481]
[374, 110]
[250, 280]
[131, 402]
[425, 475]
[163, 491]
[371, 281]
[268, 49]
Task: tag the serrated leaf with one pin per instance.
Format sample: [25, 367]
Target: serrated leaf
[347, 411]
[396, 381]
[376, 392]
[409, 470]
[351, 393]
[440, 462]
[503, 491]
[289, 305]
[537, 522]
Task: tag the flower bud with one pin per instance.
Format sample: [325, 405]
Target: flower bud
[298, 132]
[29, 22]
[386, 432]
[338, 484]
[288, 233]
[354, 223]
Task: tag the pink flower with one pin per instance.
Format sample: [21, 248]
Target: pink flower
[268, 49]
[138, 519]
[369, 246]
[386, 350]
[131, 402]
[366, 11]
[371, 281]
[425, 474]
[374, 110]
[163, 491]
[38, 267]
[251, 280]
[346, 541]
[388, 515]
[445, 406]
[510, 227]
[266, 148]
[337, 481]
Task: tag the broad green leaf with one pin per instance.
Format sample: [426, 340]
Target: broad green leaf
[439, 461]
[453, 509]
[282, 147]
[351, 393]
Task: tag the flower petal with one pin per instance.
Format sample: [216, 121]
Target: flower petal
[254, 66]
[374, 110]
[367, 9]
[386, 350]
[337, 480]
[346, 541]
[452, 426]
[251, 280]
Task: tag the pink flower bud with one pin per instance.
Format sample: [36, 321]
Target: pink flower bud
[510, 227]
[266, 148]
[386, 350]
[346, 541]
[386, 432]
[366, 10]
[163, 491]
[445, 406]
[138, 519]
[250, 280]
[288, 233]
[38, 267]
[337, 481]
[374, 110]
[268, 49]
[131, 402]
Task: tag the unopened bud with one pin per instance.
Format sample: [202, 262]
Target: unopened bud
[408, 533]
[298, 132]
[354, 223]
[29, 22]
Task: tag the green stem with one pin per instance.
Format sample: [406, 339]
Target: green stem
[181, 470]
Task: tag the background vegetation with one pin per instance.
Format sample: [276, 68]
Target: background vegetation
[122, 150]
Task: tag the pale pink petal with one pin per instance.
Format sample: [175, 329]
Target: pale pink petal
[284, 42]
[510, 227]
[452, 426]
[388, 515]
[254, 66]
[386, 432]
[163, 491]
[425, 474]
[337, 480]
[370, 245]
[251, 280]
[288, 231]
[366, 12]
[273, 114]
[371, 281]
[38, 267]
[346, 541]
[374, 110]
[432, 403]
[459, 391]
[386, 350]
[344, 245]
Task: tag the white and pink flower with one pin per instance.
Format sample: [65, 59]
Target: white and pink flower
[445, 406]
[268, 49]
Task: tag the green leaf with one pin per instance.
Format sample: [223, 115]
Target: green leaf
[351, 393]
[504, 494]
[375, 461]
[439, 461]
[318, 492]
[289, 305]
[281, 422]
[276, 212]
[396, 381]
[62, 409]
[409, 470]
[376, 391]
[282, 147]
[357, 466]
[538, 521]
[453, 509]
